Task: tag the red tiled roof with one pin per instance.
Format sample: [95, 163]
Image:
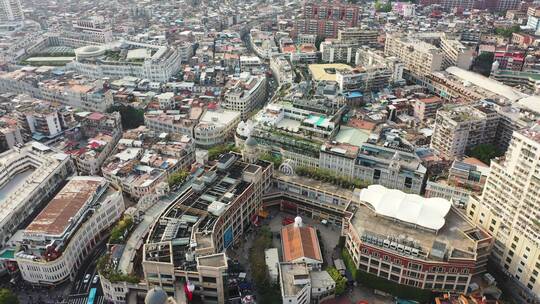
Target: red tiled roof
[300, 242]
[361, 124]
[96, 116]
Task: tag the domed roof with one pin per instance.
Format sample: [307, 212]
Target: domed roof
[156, 295]
[251, 142]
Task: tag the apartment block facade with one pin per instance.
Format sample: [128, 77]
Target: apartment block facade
[509, 208]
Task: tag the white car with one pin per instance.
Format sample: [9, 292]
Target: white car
[95, 279]
[86, 278]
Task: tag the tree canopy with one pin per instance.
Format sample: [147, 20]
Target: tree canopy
[131, 117]
[215, 152]
[508, 31]
[177, 178]
[277, 160]
[269, 291]
[328, 176]
[120, 230]
[482, 64]
[485, 152]
[8, 297]
[383, 7]
[341, 282]
[106, 269]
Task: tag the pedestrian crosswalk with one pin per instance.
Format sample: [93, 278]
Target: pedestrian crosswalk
[84, 300]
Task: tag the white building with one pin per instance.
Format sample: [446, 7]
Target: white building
[272, 262]
[375, 165]
[41, 170]
[245, 93]
[337, 51]
[263, 43]
[57, 243]
[166, 100]
[295, 283]
[215, 126]
[282, 69]
[93, 30]
[364, 79]
[78, 93]
[509, 208]
[126, 58]
[11, 13]
[169, 122]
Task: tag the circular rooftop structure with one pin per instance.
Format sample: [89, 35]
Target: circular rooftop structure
[156, 295]
[251, 142]
[90, 51]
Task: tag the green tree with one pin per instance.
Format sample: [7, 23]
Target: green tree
[269, 292]
[131, 117]
[383, 7]
[328, 176]
[341, 282]
[482, 64]
[485, 152]
[119, 230]
[106, 269]
[8, 297]
[215, 152]
[177, 178]
[507, 32]
[349, 263]
[273, 158]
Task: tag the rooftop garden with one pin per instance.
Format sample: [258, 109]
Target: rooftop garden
[328, 176]
[120, 231]
[113, 55]
[215, 152]
[106, 269]
[273, 158]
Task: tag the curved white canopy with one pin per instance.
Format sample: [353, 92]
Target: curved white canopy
[411, 208]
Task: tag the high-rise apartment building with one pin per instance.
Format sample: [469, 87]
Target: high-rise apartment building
[492, 5]
[461, 128]
[344, 48]
[509, 208]
[419, 57]
[11, 11]
[324, 19]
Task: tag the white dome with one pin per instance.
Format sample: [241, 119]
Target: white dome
[298, 221]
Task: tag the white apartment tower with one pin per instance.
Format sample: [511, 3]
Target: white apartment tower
[11, 11]
[509, 208]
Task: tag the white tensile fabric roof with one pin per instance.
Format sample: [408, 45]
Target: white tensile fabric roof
[411, 208]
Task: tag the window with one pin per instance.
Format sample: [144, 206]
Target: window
[209, 280]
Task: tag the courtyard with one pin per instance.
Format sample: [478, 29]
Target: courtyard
[329, 236]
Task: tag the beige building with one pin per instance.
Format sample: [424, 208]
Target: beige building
[461, 128]
[455, 53]
[419, 57]
[509, 208]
